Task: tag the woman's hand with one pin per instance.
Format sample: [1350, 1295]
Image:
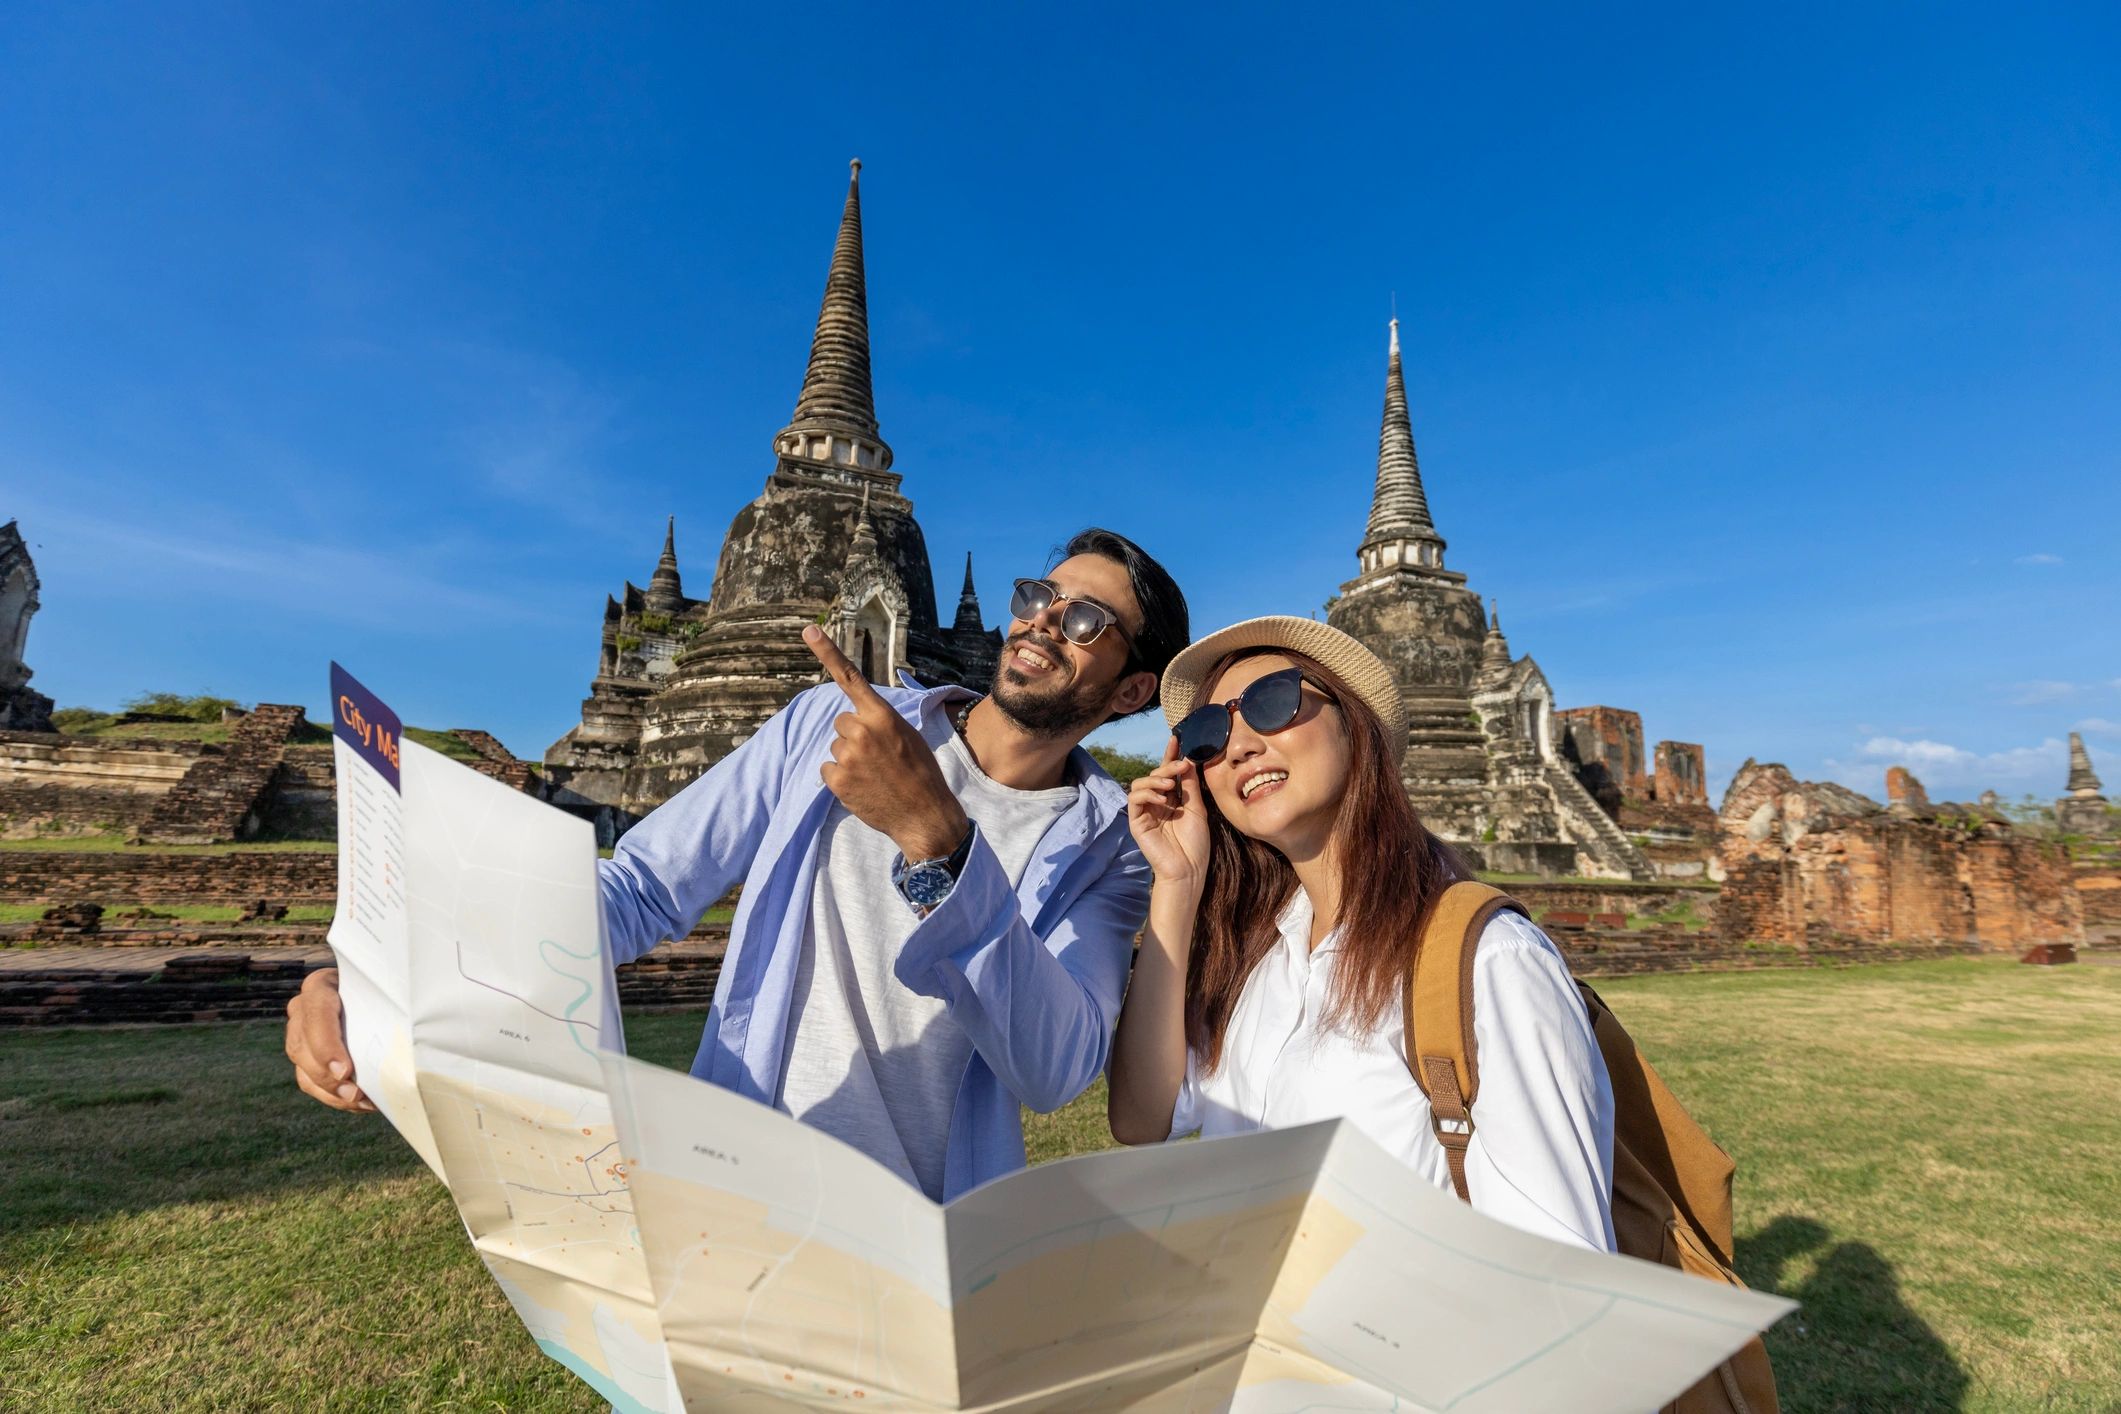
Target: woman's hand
[1170, 820]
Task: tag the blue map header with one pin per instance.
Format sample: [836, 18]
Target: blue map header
[359, 718]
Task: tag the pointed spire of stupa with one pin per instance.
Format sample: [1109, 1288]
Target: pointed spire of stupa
[1399, 504]
[2082, 780]
[1494, 649]
[1400, 532]
[968, 616]
[835, 416]
[666, 592]
[865, 542]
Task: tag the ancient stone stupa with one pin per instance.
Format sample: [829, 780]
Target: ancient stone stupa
[682, 682]
[2084, 810]
[1482, 762]
[22, 708]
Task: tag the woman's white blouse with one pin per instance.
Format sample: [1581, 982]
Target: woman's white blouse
[1541, 1157]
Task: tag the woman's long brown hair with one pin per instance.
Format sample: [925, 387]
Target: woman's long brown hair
[1392, 871]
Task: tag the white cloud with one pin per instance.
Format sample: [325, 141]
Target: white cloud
[416, 587]
[2041, 691]
[1895, 751]
[2040, 559]
[1954, 772]
[2097, 726]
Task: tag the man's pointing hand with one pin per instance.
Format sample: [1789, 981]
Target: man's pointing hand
[882, 770]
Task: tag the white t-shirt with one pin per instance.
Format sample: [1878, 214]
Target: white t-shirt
[869, 1060]
[1541, 1156]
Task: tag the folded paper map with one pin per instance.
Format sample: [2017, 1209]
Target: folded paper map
[681, 1247]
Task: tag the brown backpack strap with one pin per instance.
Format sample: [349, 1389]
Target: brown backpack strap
[1439, 1014]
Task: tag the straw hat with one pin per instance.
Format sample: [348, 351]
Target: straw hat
[1355, 665]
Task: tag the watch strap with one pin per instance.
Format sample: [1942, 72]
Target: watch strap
[951, 866]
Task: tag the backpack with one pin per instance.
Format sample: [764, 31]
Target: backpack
[1671, 1183]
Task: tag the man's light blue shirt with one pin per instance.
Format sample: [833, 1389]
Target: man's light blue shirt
[1034, 976]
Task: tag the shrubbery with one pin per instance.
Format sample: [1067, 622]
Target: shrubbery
[1123, 766]
[191, 709]
[86, 721]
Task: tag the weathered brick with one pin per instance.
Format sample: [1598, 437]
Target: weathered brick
[1811, 862]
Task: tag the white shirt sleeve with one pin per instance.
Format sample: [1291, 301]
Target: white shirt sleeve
[1541, 1156]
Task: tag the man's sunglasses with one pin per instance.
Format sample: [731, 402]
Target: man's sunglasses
[1269, 705]
[1080, 622]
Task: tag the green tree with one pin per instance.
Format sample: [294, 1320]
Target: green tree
[1123, 766]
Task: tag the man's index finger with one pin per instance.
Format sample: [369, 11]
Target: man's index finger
[841, 670]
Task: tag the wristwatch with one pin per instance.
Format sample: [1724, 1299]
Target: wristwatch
[925, 883]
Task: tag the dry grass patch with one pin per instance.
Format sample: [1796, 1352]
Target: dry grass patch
[1925, 1160]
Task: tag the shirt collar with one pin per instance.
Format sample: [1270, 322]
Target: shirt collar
[1102, 799]
[1294, 925]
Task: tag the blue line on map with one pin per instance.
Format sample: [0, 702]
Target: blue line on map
[588, 988]
[567, 1017]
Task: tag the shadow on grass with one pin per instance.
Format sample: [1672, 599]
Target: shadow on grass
[1854, 1345]
[97, 1122]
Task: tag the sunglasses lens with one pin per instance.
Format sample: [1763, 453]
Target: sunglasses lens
[1081, 623]
[1030, 599]
[1271, 703]
[1203, 732]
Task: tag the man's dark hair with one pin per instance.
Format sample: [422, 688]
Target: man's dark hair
[1165, 627]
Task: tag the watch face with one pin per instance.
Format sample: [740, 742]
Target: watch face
[928, 883]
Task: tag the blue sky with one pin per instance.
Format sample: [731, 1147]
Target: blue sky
[1764, 368]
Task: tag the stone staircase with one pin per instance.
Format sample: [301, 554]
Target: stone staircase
[1592, 830]
[1444, 740]
[495, 760]
[222, 797]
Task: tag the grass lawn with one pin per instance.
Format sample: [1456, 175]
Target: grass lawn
[227, 913]
[116, 843]
[1926, 1161]
[169, 913]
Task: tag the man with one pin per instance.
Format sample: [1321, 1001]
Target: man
[940, 893]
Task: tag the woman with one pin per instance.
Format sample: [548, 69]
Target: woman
[1282, 927]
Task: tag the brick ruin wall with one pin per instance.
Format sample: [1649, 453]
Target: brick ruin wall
[1682, 775]
[1812, 864]
[1681, 841]
[1606, 744]
[1614, 898]
[117, 878]
[2098, 877]
[302, 801]
[1903, 790]
[54, 785]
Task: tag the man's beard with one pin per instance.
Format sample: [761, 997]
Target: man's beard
[1059, 712]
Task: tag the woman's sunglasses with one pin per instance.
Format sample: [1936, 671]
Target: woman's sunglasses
[1269, 705]
[1080, 622]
